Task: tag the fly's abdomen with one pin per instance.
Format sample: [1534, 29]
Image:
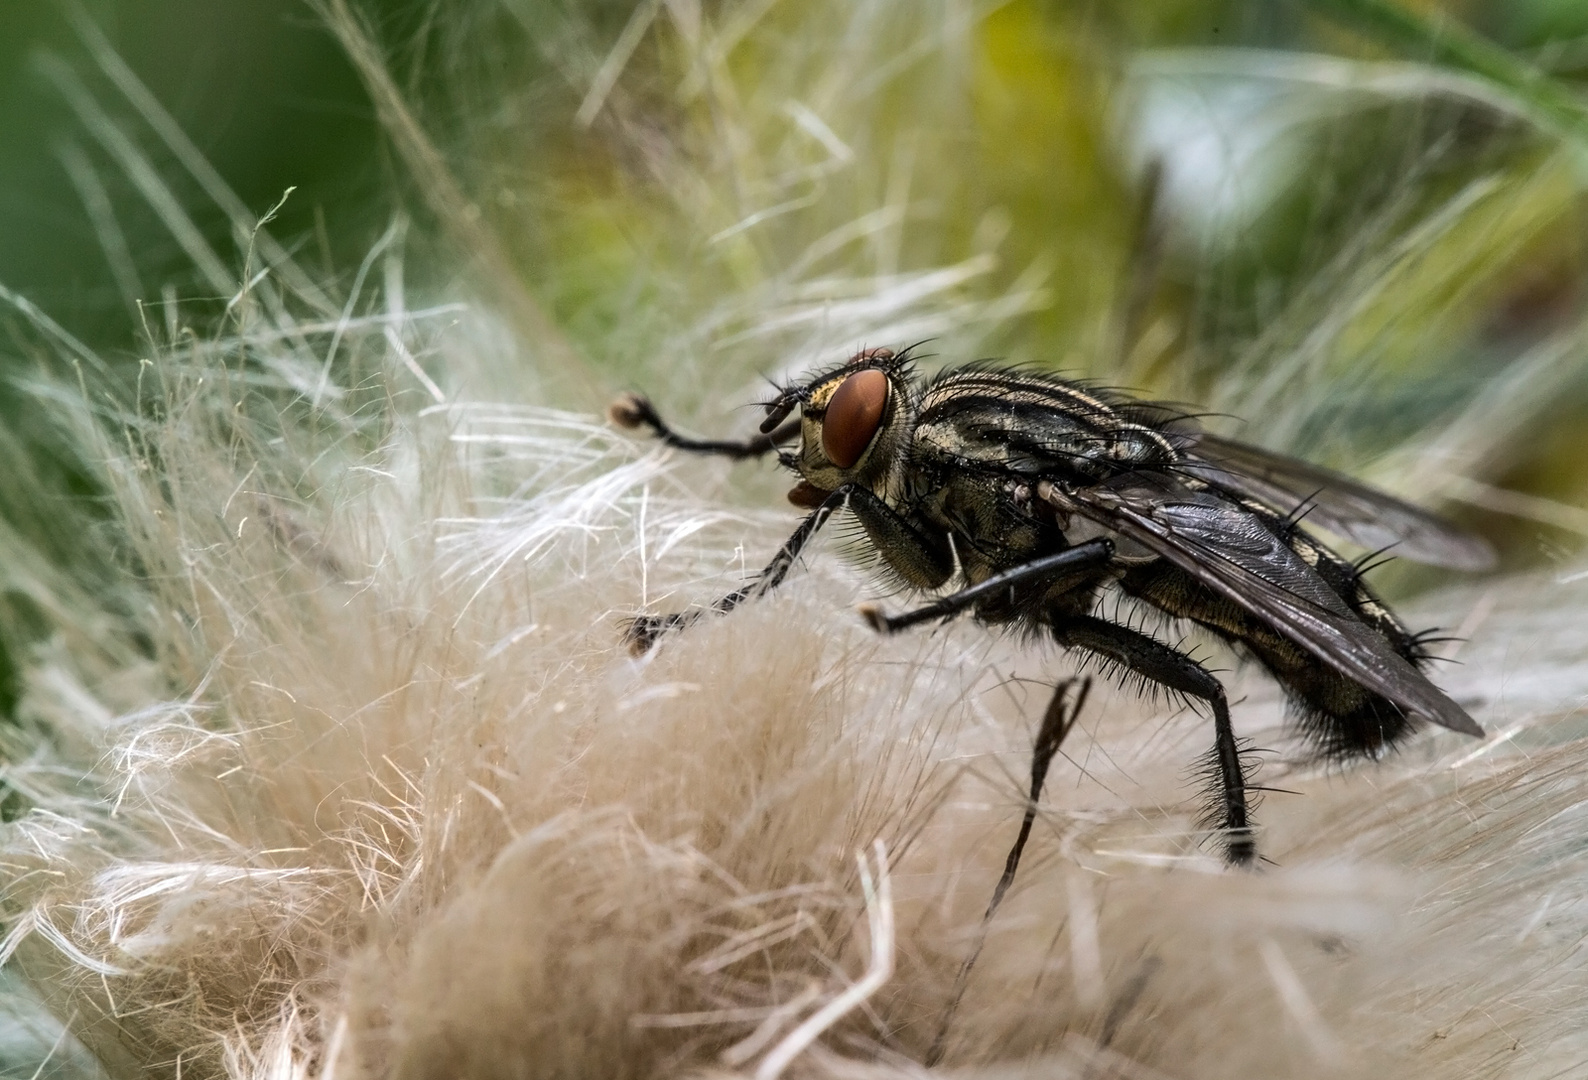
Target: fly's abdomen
[1339, 716]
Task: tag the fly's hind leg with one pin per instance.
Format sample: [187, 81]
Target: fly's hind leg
[1175, 671]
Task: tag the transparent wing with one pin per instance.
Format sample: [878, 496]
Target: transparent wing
[1232, 552]
[1335, 503]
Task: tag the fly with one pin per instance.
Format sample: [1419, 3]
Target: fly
[1021, 497]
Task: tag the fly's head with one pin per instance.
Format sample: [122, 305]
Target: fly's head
[854, 424]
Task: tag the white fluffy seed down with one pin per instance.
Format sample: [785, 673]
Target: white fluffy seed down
[419, 813]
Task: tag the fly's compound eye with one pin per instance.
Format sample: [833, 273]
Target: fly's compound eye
[853, 415]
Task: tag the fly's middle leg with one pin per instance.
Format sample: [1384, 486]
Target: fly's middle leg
[1089, 554]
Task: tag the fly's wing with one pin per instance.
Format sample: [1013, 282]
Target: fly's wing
[1232, 552]
[1336, 503]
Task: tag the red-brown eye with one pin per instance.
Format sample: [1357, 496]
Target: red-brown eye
[853, 416]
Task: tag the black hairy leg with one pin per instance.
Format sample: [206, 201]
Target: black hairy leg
[1088, 554]
[644, 631]
[1173, 670]
[930, 565]
[1062, 712]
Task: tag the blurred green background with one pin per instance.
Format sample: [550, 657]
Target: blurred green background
[260, 86]
[267, 94]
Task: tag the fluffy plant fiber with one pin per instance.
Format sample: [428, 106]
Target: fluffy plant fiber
[420, 813]
[349, 774]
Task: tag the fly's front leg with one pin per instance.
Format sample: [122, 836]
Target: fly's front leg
[1174, 670]
[636, 410]
[643, 632]
[910, 552]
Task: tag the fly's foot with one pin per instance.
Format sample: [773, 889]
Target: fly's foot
[632, 411]
[1240, 848]
[875, 618]
[643, 633]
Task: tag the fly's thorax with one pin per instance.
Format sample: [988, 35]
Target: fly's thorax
[1031, 426]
